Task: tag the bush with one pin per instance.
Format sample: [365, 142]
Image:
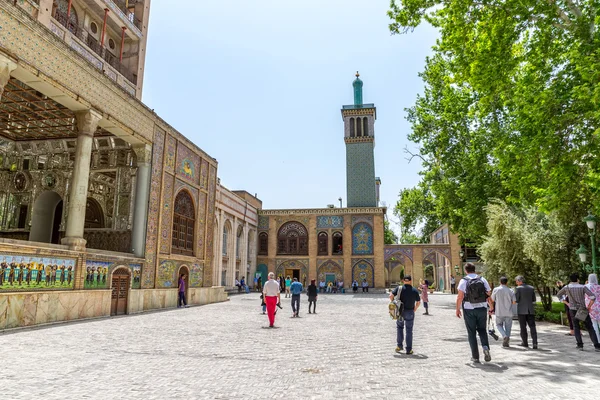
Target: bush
[551, 316]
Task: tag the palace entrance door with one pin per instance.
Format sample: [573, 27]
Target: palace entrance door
[293, 273]
[120, 292]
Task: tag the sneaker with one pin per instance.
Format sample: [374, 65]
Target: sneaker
[535, 347]
[487, 357]
[409, 352]
[399, 349]
[505, 341]
[475, 360]
[524, 345]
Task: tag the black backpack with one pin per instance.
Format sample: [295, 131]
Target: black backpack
[476, 292]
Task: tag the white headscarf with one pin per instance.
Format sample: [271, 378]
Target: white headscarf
[592, 279]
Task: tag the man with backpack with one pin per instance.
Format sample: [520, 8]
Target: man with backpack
[408, 299]
[473, 294]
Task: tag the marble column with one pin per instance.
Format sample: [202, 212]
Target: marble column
[6, 67]
[87, 122]
[142, 195]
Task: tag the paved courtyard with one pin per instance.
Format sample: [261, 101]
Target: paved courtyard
[225, 351]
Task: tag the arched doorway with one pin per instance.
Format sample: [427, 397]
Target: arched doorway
[46, 217]
[94, 217]
[186, 282]
[120, 291]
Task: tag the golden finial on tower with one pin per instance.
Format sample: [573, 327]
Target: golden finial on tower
[357, 74]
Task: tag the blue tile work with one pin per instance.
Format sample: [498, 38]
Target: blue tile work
[360, 175]
[263, 222]
[363, 269]
[330, 221]
[362, 239]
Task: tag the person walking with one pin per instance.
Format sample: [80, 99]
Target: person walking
[272, 297]
[424, 288]
[295, 290]
[503, 299]
[565, 301]
[311, 291]
[288, 283]
[595, 307]
[409, 297]
[452, 284]
[576, 293]
[473, 294]
[181, 302]
[525, 297]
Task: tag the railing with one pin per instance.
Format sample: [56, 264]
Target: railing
[122, 4]
[95, 46]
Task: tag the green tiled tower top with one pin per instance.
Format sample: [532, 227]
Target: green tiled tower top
[358, 85]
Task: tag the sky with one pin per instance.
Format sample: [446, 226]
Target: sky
[259, 84]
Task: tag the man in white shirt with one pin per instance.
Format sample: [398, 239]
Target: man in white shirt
[473, 295]
[272, 297]
[504, 298]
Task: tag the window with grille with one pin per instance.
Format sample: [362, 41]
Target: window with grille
[184, 222]
[322, 248]
[263, 244]
[336, 242]
[292, 239]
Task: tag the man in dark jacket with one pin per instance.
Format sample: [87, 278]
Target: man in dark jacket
[409, 296]
[525, 295]
[311, 291]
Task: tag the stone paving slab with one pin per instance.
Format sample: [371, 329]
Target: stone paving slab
[226, 351]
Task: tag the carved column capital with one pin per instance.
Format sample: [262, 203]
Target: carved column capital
[87, 121]
[143, 153]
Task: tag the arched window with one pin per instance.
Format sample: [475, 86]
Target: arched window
[365, 126]
[94, 217]
[359, 125]
[238, 242]
[336, 242]
[184, 222]
[292, 239]
[352, 128]
[226, 230]
[60, 12]
[263, 244]
[322, 248]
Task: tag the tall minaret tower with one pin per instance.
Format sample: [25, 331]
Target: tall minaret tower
[359, 135]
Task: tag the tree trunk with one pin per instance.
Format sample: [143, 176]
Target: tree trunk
[545, 297]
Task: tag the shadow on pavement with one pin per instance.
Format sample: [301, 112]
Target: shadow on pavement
[488, 367]
[415, 356]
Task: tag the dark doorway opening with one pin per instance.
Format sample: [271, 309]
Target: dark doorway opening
[58, 210]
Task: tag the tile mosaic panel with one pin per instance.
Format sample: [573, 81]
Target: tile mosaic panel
[362, 239]
[301, 264]
[153, 210]
[26, 272]
[165, 277]
[362, 218]
[363, 270]
[389, 252]
[188, 164]
[196, 275]
[204, 171]
[193, 191]
[330, 221]
[167, 215]
[96, 274]
[202, 199]
[136, 273]
[170, 154]
[263, 222]
[210, 221]
[331, 267]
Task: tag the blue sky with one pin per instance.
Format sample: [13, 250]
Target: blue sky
[259, 86]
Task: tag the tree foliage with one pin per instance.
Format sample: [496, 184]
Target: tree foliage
[527, 242]
[418, 220]
[511, 110]
[389, 236]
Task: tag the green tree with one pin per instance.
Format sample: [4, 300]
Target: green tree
[511, 107]
[389, 236]
[415, 207]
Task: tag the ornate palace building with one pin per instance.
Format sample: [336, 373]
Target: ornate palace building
[103, 204]
[333, 244]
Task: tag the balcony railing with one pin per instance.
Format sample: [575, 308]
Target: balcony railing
[122, 4]
[95, 46]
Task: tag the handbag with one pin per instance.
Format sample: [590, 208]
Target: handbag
[582, 312]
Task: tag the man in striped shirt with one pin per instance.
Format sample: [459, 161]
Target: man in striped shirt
[576, 293]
